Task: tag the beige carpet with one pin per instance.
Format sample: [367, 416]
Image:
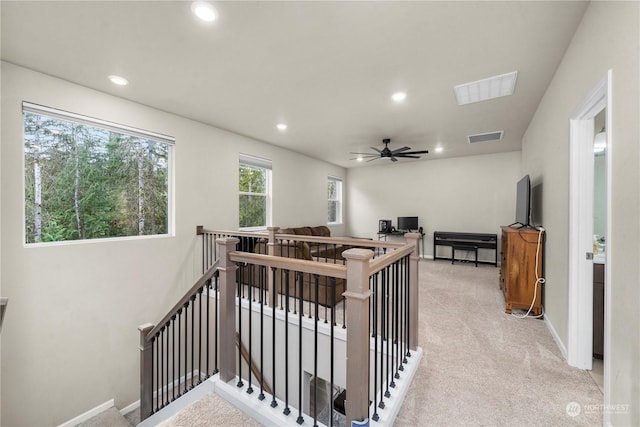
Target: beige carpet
[210, 411]
[482, 367]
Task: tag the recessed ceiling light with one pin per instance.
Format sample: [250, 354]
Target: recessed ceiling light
[204, 11]
[485, 89]
[281, 126]
[117, 80]
[359, 158]
[399, 96]
[439, 149]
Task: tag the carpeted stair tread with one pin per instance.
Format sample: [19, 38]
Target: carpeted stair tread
[109, 418]
[210, 411]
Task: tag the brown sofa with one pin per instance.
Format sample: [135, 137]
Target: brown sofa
[301, 250]
[320, 251]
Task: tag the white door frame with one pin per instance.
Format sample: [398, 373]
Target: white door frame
[580, 319]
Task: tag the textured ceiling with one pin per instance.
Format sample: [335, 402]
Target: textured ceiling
[327, 69]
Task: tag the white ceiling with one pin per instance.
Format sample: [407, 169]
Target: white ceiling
[327, 69]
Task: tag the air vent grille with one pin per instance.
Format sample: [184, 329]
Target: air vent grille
[484, 137]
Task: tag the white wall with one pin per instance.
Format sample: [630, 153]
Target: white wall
[607, 38]
[69, 341]
[474, 194]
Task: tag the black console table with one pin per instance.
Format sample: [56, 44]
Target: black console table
[466, 241]
[384, 234]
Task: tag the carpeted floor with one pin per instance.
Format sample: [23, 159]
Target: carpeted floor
[482, 367]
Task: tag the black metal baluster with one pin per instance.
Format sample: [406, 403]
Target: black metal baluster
[157, 360]
[333, 324]
[286, 410]
[375, 416]
[193, 340]
[315, 357]
[274, 403]
[208, 285]
[408, 299]
[167, 362]
[161, 367]
[240, 383]
[402, 315]
[261, 277]
[394, 361]
[387, 393]
[250, 301]
[173, 356]
[300, 420]
[200, 334]
[186, 346]
[179, 350]
[381, 405]
[215, 330]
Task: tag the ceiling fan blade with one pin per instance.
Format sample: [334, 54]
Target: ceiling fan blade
[393, 159]
[374, 158]
[408, 156]
[374, 148]
[364, 154]
[417, 152]
[400, 150]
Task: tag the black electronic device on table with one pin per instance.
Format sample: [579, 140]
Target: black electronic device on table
[407, 223]
[384, 226]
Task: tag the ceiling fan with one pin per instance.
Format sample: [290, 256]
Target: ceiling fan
[390, 154]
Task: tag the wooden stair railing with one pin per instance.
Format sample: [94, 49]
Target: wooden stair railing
[171, 353]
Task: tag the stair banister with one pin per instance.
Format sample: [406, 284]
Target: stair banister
[357, 308]
[227, 319]
[414, 258]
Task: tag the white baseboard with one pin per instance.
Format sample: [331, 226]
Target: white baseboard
[89, 414]
[556, 337]
[135, 405]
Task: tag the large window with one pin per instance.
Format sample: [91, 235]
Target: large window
[86, 178]
[334, 194]
[255, 192]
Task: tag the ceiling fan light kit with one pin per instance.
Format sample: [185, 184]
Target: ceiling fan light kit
[387, 153]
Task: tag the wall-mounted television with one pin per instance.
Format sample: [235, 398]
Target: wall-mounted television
[523, 201]
[407, 223]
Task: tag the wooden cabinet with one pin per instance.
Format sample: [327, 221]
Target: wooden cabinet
[518, 268]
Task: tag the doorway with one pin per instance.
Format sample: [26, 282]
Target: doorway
[596, 107]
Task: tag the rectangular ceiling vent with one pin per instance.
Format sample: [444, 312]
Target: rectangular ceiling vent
[485, 89]
[484, 137]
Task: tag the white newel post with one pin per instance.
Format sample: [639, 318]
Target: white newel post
[227, 307]
[357, 312]
[414, 258]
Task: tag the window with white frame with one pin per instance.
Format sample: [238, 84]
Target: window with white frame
[87, 178]
[334, 195]
[255, 192]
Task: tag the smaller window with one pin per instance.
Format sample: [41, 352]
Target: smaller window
[255, 192]
[334, 196]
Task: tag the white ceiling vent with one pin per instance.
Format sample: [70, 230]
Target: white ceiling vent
[485, 89]
[484, 137]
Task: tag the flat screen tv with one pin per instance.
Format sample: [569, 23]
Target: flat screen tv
[407, 223]
[523, 201]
